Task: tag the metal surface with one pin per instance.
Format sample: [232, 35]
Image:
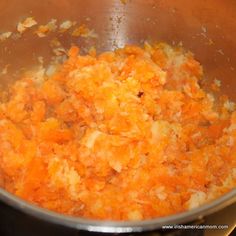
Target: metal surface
[206, 27]
[114, 226]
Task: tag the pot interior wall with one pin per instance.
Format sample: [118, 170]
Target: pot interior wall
[206, 27]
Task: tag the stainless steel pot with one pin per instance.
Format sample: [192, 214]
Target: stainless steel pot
[206, 27]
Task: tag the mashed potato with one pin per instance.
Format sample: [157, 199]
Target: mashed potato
[125, 135]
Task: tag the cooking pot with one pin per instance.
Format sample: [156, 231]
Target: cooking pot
[205, 27]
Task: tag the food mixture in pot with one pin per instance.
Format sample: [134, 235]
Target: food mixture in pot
[124, 135]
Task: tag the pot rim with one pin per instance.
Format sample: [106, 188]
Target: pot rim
[117, 226]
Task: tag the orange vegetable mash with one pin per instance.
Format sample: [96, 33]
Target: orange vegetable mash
[124, 135]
